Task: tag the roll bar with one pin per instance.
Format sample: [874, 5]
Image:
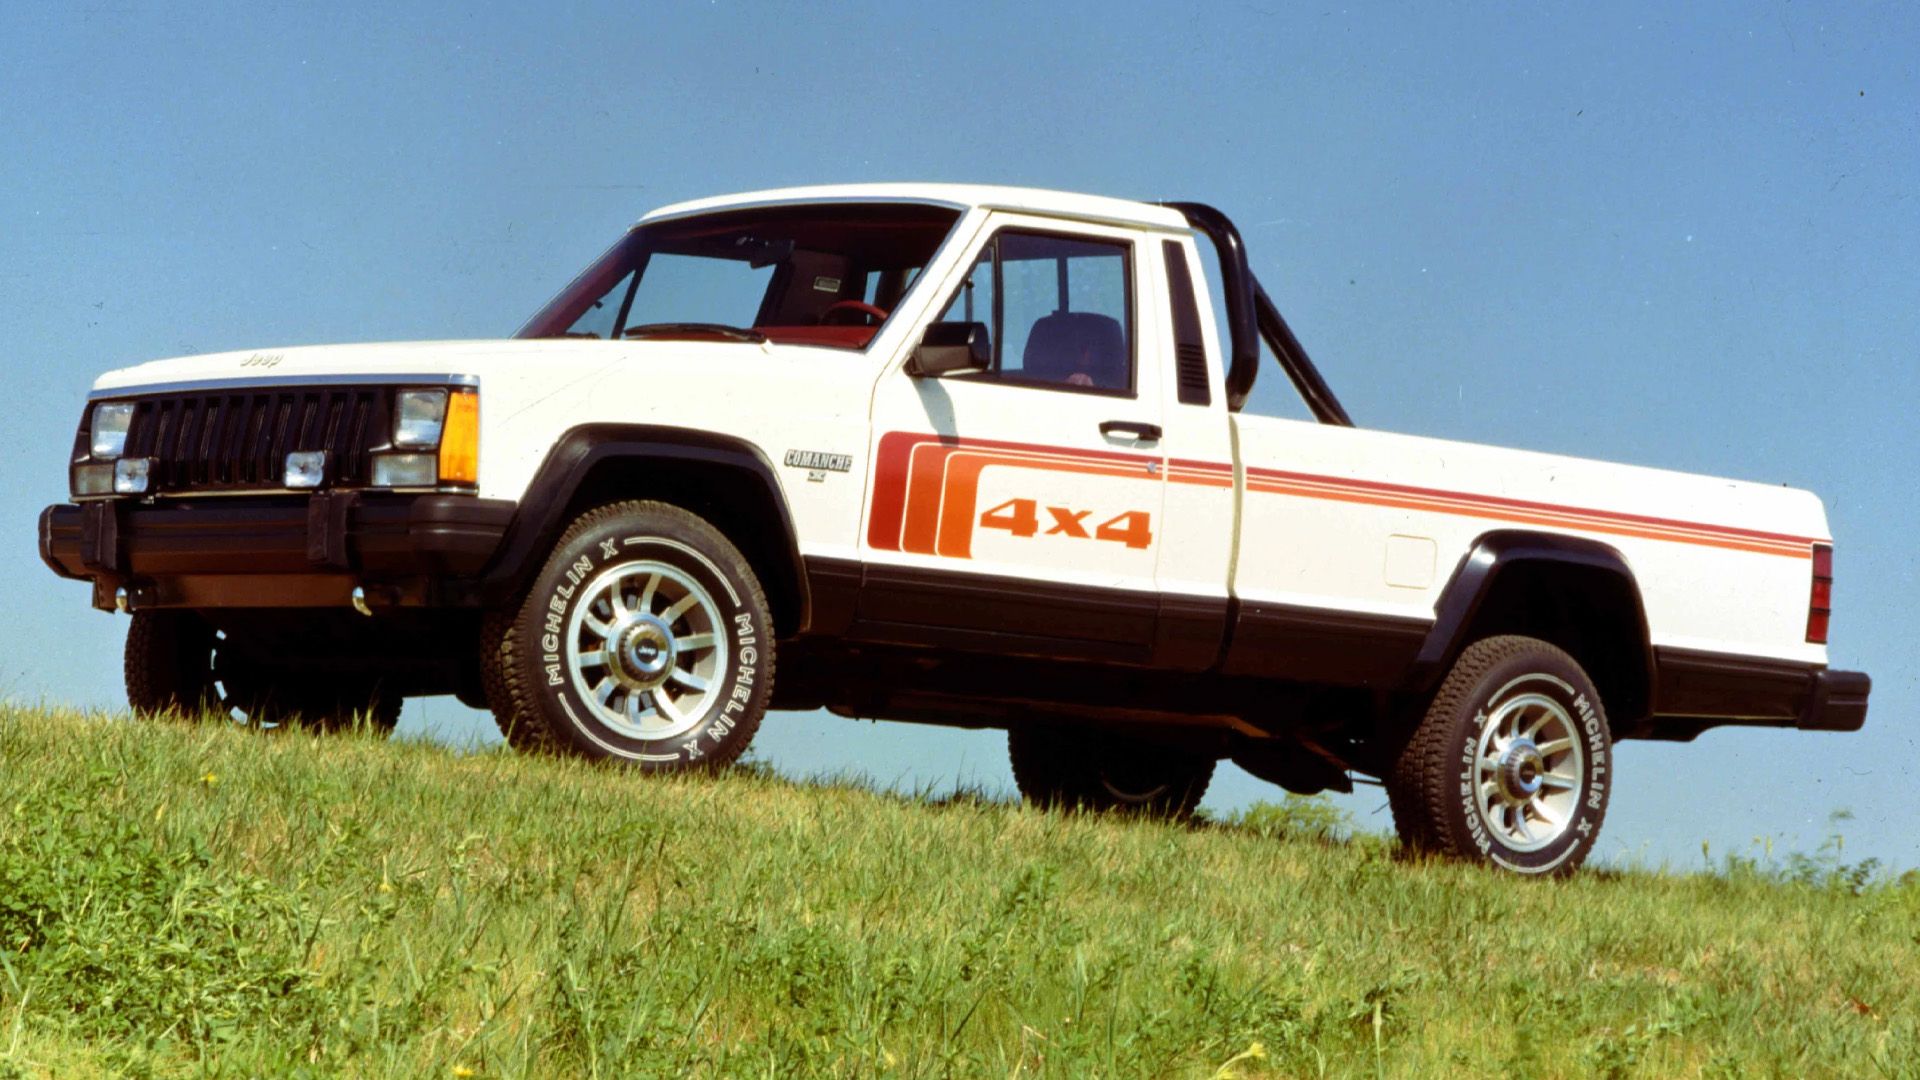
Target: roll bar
[1251, 317]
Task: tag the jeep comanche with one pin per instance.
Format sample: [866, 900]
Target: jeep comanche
[951, 454]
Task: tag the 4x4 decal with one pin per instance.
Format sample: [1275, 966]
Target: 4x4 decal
[1021, 518]
[927, 488]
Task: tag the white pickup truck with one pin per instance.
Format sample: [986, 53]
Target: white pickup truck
[952, 454]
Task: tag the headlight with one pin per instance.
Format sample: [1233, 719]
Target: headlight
[132, 475]
[110, 422]
[418, 417]
[93, 478]
[306, 469]
[404, 470]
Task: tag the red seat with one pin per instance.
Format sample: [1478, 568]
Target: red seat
[839, 337]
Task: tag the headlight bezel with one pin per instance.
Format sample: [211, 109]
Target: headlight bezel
[434, 441]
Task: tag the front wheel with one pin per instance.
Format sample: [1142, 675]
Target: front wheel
[645, 639]
[1055, 769]
[178, 664]
[1511, 764]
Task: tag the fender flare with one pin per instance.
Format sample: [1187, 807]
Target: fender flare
[542, 513]
[1474, 579]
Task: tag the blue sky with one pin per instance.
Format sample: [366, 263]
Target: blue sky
[1675, 235]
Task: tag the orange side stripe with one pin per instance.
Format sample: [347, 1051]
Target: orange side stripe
[942, 479]
[1565, 521]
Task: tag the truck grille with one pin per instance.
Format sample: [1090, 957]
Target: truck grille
[238, 440]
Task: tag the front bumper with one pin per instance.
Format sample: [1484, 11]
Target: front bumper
[294, 551]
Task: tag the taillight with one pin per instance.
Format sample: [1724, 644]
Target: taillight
[1820, 603]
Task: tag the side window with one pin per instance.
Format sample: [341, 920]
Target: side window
[1058, 308]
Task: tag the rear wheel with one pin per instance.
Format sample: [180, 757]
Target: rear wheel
[1054, 768]
[645, 639]
[1511, 764]
[176, 663]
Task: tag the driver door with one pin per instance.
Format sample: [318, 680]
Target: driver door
[1017, 510]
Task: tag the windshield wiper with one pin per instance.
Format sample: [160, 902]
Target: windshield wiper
[683, 329]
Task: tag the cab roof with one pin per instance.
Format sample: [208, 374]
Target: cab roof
[1063, 204]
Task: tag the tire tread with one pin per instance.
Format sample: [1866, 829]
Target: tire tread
[159, 679]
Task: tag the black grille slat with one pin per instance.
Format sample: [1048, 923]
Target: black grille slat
[225, 433]
[313, 426]
[336, 440]
[239, 440]
[187, 447]
[203, 440]
[166, 446]
[179, 437]
[248, 462]
[219, 418]
[211, 432]
[233, 449]
[283, 413]
[354, 449]
[162, 419]
[140, 434]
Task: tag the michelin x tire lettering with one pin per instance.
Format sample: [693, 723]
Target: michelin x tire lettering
[645, 639]
[1512, 763]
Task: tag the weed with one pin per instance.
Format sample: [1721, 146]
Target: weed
[1295, 817]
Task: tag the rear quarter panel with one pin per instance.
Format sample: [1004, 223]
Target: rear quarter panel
[1377, 522]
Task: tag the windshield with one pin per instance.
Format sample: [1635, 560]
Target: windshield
[803, 275]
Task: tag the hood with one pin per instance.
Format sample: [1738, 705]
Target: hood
[397, 359]
[510, 370]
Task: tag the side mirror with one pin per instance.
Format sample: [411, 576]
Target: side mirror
[951, 346]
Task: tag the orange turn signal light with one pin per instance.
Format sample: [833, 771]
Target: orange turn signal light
[460, 439]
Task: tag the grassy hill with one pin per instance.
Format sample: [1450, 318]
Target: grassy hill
[197, 900]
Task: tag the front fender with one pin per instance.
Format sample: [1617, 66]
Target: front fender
[549, 501]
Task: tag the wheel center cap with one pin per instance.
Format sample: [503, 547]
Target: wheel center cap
[1521, 766]
[642, 652]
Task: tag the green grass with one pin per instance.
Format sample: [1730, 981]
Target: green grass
[193, 900]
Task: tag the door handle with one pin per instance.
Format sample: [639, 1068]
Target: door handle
[1143, 432]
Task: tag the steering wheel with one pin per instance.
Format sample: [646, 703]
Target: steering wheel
[860, 307]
